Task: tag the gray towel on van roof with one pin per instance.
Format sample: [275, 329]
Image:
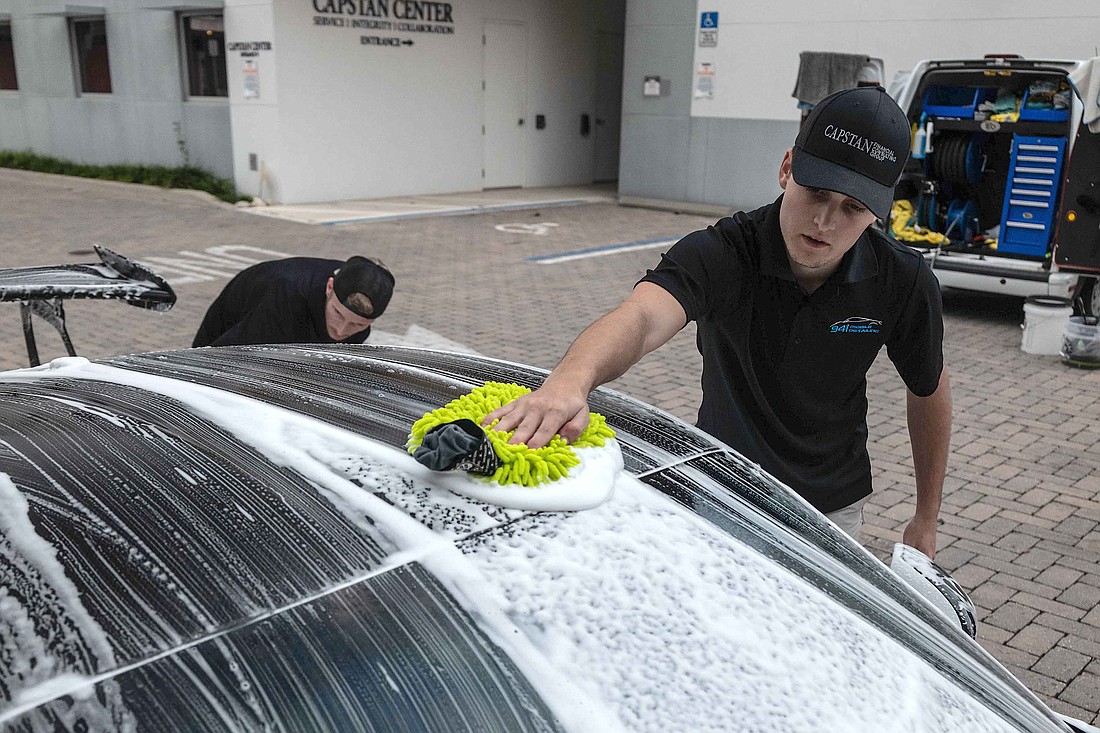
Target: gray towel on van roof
[1086, 82]
[820, 73]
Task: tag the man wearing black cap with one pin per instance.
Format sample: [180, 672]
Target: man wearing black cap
[299, 300]
[793, 302]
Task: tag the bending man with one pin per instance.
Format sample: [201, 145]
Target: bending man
[299, 300]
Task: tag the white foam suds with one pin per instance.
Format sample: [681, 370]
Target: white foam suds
[308, 445]
[676, 626]
[633, 615]
[16, 527]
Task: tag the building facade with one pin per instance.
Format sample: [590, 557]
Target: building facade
[715, 134]
[313, 100]
[682, 101]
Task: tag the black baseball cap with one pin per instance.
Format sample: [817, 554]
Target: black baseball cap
[854, 142]
[367, 277]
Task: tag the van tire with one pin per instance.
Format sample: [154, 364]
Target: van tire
[1087, 301]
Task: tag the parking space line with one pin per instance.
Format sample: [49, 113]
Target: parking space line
[609, 249]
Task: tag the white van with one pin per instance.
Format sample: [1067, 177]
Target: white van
[1002, 191]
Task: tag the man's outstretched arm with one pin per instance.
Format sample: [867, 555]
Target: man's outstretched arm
[929, 421]
[603, 351]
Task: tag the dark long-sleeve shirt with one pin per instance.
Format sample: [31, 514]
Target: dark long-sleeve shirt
[276, 302]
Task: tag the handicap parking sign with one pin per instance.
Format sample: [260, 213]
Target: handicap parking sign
[709, 20]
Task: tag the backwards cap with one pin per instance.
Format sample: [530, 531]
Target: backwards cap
[367, 278]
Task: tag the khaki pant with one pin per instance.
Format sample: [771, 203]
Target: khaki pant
[850, 518]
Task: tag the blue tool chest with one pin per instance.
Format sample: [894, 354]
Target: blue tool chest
[1031, 195]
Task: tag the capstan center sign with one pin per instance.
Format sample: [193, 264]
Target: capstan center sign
[402, 16]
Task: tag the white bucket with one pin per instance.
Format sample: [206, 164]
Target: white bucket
[1045, 319]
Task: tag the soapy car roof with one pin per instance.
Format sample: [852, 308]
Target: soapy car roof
[233, 538]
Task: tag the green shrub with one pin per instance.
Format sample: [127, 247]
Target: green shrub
[152, 175]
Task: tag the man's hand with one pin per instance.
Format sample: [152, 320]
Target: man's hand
[921, 534]
[603, 351]
[540, 415]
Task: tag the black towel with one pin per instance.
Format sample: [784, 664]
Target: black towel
[460, 445]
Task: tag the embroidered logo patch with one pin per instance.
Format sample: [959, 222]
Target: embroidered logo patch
[856, 324]
[876, 150]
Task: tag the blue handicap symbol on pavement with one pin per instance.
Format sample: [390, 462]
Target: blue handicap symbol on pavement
[709, 20]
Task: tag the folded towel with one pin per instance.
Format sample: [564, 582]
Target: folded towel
[820, 73]
[1086, 82]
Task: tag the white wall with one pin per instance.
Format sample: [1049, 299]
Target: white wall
[334, 118]
[255, 120]
[133, 124]
[369, 121]
[562, 70]
[756, 60]
[337, 119]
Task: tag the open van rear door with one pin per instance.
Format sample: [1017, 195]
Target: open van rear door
[1077, 231]
[1077, 236]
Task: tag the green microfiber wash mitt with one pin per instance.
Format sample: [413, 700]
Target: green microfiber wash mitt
[518, 464]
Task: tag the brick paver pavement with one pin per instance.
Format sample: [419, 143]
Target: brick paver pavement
[1021, 519]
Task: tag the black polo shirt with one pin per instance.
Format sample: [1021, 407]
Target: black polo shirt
[276, 302]
[784, 373]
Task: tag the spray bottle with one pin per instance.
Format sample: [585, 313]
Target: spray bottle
[918, 139]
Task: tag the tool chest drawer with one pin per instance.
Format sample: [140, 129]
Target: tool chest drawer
[1031, 194]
